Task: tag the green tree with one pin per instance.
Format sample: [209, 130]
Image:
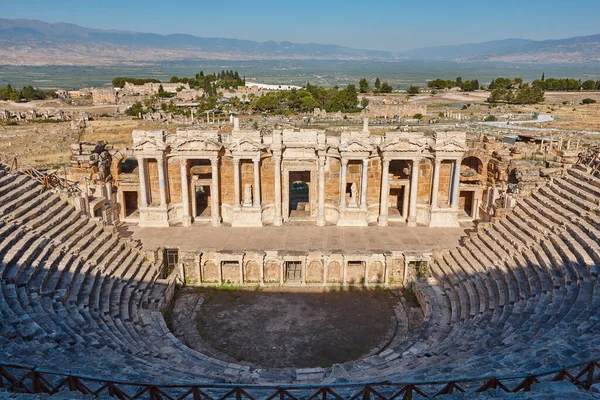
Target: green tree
[386, 88]
[364, 103]
[377, 85]
[588, 85]
[363, 85]
[135, 110]
[268, 102]
[412, 90]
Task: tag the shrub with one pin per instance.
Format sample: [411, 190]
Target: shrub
[490, 118]
[418, 116]
[588, 101]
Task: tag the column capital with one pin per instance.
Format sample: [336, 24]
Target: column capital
[183, 161]
[322, 159]
[438, 160]
[344, 161]
[236, 160]
[385, 161]
[365, 161]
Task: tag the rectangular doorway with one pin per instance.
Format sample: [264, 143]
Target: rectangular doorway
[130, 198]
[299, 194]
[202, 201]
[465, 202]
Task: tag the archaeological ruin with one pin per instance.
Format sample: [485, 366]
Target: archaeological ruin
[511, 305]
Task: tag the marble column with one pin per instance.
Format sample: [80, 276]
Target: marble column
[321, 212]
[278, 221]
[385, 192]
[236, 183]
[414, 182]
[455, 185]
[363, 183]
[343, 184]
[185, 193]
[162, 181]
[256, 182]
[435, 186]
[215, 206]
[142, 171]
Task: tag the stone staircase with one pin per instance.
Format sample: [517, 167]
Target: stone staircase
[518, 295]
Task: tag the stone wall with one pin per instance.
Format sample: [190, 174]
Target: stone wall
[104, 96]
[268, 268]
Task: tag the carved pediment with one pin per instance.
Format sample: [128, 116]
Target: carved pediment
[408, 145]
[149, 145]
[198, 144]
[355, 145]
[246, 145]
[450, 146]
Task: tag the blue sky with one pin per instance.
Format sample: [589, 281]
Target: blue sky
[384, 24]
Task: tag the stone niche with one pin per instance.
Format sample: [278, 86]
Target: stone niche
[231, 270]
[355, 270]
[335, 268]
[396, 269]
[315, 270]
[252, 267]
[209, 268]
[272, 268]
[376, 270]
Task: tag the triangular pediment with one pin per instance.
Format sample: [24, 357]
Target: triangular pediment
[357, 146]
[198, 144]
[246, 145]
[450, 145]
[149, 145]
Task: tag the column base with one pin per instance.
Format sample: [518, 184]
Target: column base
[412, 222]
[186, 220]
[247, 217]
[278, 221]
[153, 217]
[444, 218]
[216, 222]
[321, 220]
[383, 220]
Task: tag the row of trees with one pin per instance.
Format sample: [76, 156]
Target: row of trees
[26, 93]
[566, 84]
[467, 86]
[211, 83]
[378, 87]
[312, 96]
[120, 81]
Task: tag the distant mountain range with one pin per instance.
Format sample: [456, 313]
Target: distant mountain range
[33, 42]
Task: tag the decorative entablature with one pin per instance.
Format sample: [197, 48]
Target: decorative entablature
[195, 144]
[245, 144]
[449, 145]
[150, 144]
[405, 145]
[302, 143]
[358, 145]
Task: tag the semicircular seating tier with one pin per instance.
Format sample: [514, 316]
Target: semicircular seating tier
[518, 295]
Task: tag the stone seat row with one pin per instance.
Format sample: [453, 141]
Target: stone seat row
[52, 262]
[519, 278]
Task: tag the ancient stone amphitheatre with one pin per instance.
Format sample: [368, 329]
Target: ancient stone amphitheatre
[488, 264]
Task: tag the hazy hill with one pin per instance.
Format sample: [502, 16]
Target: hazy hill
[33, 42]
[72, 42]
[570, 50]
